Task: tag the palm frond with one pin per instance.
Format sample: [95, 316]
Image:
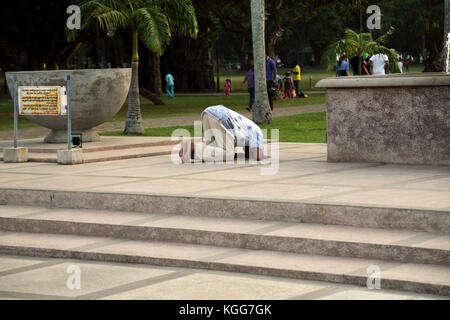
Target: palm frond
[109, 14]
[181, 16]
[354, 43]
[153, 28]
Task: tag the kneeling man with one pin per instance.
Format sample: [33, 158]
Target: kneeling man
[224, 129]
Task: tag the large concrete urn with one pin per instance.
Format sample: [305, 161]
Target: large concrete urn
[96, 96]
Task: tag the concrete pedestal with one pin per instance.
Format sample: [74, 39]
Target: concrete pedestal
[401, 119]
[15, 154]
[96, 96]
[74, 156]
[60, 136]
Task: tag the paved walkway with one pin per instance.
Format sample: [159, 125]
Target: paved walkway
[43, 278]
[157, 122]
[301, 175]
[242, 93]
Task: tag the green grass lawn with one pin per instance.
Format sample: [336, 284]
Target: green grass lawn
[188, 105]
[316, 74]
[7, 116]
[237, 77]
[309, 127]
[180, 106]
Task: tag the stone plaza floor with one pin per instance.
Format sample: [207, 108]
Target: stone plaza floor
[40, 278]
[302, 175]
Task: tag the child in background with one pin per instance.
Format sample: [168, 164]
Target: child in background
[227, 88]
[280, 84]
[250, 79]
[288, 86]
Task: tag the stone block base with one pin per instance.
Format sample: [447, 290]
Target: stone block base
[399, 119]
[74, 156]
[60, 136]
[15, 154]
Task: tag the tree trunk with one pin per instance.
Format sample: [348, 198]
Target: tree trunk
[134, 125]
[118, 52]
[318, 53]
[273, 38]
[71, 53]
[261, 109]
[156, 68]
[150, 96]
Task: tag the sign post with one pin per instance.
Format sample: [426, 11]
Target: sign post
[15, 154]
[15, 112]
[69, 156]
[43, 100]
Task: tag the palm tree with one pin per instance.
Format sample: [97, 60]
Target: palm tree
[359, 43]
[261, 110]
[153, 22]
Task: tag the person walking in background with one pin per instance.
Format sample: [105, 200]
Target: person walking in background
[271, 79]
[342, 67]
[280, 84]
[288, 86]
[250, 79]
[379, 62]
[400, 65]
[406, 64]
[227, 88]
[365, 64]
[354, 62]
[170, 83]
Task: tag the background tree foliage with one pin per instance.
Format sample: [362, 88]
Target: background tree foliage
[32, 34]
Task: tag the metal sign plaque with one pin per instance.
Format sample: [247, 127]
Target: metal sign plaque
[42, 100]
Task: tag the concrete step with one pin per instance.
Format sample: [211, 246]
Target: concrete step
[90, 156]
[270, 210]
[431, 279]
[110, 155]
[112, 148]
[96, 148]
[305, 238]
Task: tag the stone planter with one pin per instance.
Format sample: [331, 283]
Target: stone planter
[401, 119]
[96, 96]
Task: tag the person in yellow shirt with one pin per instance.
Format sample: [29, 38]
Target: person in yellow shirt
[296, 77]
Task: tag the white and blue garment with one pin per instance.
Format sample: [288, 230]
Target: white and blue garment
[245, 131]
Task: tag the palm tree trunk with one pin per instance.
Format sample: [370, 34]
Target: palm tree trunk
[261, 109]
[156, 70]
[134, 125]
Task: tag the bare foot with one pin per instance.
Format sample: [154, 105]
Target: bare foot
[186, 151]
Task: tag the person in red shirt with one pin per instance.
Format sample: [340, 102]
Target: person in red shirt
[406, 64]
[288, 86]
[227, 88]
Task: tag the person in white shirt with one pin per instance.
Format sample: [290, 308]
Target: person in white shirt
[224, 129]
[379, 62]
[400, 66]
